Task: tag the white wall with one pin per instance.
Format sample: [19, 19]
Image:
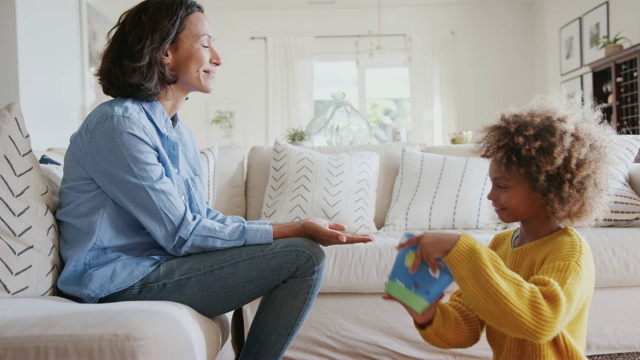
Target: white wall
[551, 15]
[493, 57]
[9, 90]
[49, 69]
[505, 52]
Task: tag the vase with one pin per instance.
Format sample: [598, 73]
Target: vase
[339, 124]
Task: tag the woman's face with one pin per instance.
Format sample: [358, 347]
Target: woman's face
[192, 58]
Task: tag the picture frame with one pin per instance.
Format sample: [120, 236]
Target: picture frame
[570, 52]
[587, 89]
[595, 25]
[95, 26]
[572, 89]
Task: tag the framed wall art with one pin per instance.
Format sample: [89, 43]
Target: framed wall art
[595, 25]
[570, 54]
[95, 26]
[572, 89]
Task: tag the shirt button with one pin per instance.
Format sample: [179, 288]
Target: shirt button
[183, 197]
[175, 170]
[164, 130]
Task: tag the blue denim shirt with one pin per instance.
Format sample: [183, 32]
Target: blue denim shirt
[133, 196]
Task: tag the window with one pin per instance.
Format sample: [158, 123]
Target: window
[378, 88]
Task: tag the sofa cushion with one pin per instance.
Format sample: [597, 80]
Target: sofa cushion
[624, 203]
[258, 163]
[364, 268]
[52, 176]
[29, 256]
[441, 192]
[339, 187]
[56, 328]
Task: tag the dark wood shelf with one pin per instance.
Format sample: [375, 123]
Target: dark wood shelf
[615, 89]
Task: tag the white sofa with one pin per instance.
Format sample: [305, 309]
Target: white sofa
[349, 318]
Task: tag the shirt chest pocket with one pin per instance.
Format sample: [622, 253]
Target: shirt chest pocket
[197, 198]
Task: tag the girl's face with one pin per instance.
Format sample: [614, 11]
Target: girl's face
[192, 58]
[513, 198]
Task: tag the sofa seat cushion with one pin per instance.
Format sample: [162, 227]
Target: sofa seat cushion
[56, 328]
[364, 268]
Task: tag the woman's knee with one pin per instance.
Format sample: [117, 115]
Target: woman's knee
[309, 251]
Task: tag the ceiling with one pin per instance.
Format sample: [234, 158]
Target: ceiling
[305, 4]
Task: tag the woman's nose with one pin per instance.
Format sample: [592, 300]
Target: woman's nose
[215, 57]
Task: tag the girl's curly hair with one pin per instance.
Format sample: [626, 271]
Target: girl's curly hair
[563, 149]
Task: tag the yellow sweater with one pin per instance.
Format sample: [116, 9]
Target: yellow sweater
[532, 300]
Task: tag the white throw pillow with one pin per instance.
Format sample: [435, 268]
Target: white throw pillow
[208, 158]
[30, 262]
[52, 176]
[441, 192]
[624, 203]
[305, 183]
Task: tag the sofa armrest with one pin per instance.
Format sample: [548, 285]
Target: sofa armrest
[224, 170]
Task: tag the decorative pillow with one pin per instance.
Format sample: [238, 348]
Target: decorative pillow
[441, 192]
[29, 259]
[624, 203]
[305, 183]
[52, 176]
[208, 158]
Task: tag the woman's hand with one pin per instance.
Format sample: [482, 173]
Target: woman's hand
[422, 320]
[322, 231]
[431, 246]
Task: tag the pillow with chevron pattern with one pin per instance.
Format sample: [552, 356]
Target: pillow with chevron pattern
[339, 187]
[441, 192]
[624, 203]
[29, 259]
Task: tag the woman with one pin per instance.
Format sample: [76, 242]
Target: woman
[133, 216]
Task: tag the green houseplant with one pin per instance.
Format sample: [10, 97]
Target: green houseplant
[296, 136]
[225, 120]
[611, 45]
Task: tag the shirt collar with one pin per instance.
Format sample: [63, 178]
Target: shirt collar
[159, 115]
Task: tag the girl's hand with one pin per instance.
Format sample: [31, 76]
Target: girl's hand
[322, 231]
[422, 320]
[431, 245]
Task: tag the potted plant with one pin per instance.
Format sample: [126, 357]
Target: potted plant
[296, 136]
[225, 120]
[611, 45]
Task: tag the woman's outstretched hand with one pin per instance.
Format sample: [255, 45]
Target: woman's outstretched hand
[322, 231]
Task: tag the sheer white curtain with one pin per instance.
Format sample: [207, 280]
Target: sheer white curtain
[431, 77]
[289, 84]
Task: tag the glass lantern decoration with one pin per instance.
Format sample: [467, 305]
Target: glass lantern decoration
[339, 124]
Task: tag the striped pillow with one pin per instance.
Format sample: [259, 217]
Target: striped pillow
[441, 192]
[624, 203]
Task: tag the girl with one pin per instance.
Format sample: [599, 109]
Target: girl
[530, 290]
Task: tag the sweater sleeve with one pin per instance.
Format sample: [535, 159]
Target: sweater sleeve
[536, 308]
[455, 325]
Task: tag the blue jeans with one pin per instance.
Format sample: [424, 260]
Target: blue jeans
[287, 274]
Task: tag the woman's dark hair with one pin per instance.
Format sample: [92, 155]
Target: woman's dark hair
[132, 64]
